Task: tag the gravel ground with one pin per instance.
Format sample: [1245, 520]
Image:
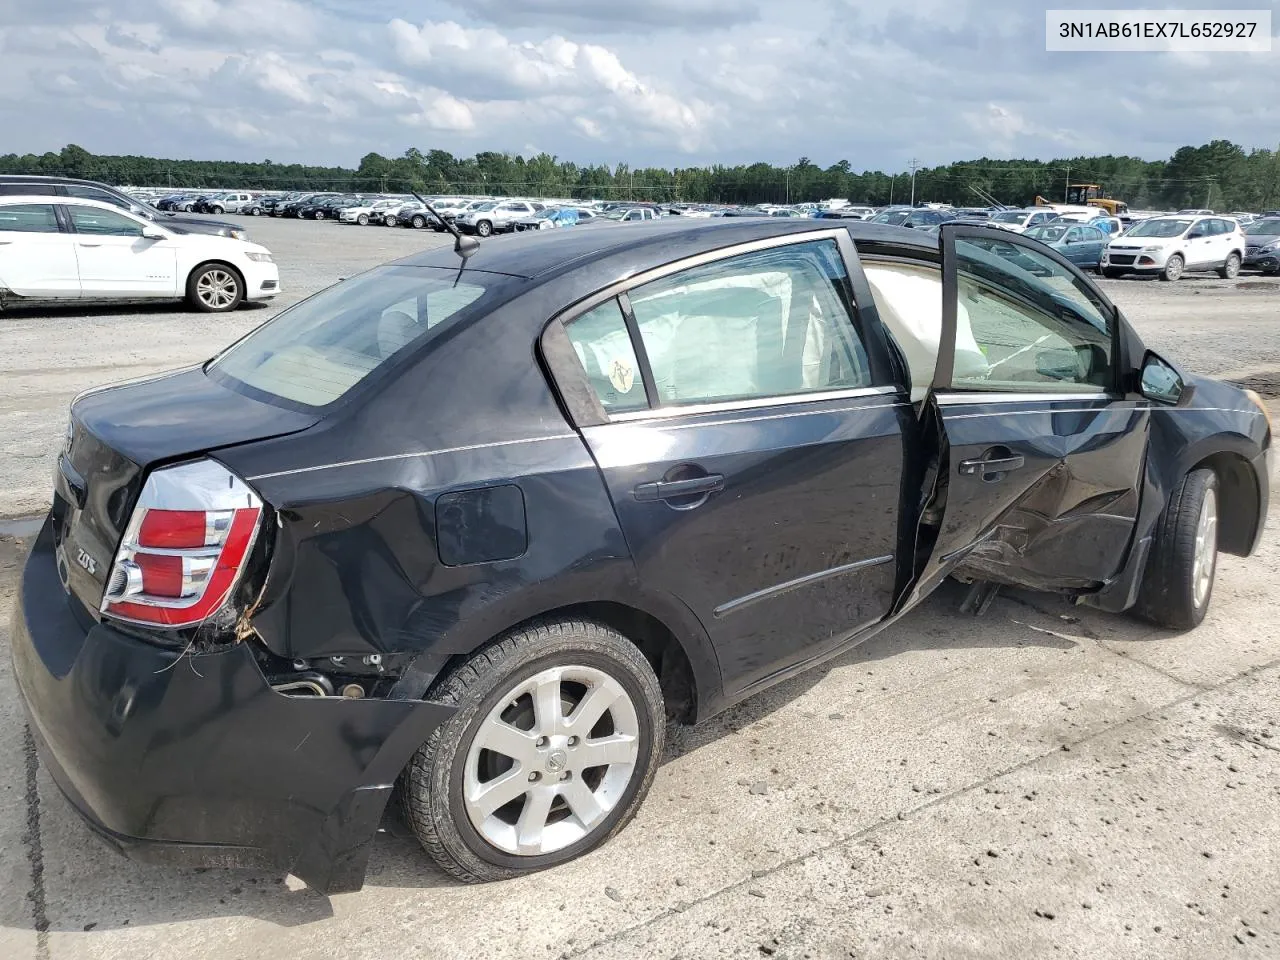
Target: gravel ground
[1044, 780]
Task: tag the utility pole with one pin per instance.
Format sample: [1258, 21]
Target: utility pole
[892, 177]
[914, 164]
[1066, 191]
[788, 186]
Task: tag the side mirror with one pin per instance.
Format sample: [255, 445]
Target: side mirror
[1195, 235]
[151, 233]
[1161, 383]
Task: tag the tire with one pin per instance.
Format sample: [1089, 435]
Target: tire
[363, 219]
[484, 228]
[1231, 268]
[319, 214]
[418, 221]
[389, 221]
[492, 693]
[216, 210]
[1173, 268]
[1177, 584]
[215, 288]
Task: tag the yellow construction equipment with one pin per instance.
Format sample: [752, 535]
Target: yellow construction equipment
[1087, 195]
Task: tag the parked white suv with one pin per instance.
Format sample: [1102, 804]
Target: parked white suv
[1170, 246]
[64, 248]
[496, 216]
[230, 203]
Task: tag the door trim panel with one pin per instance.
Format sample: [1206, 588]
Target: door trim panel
[733, 606]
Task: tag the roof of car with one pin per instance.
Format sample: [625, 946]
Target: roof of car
[45, 198]
[533, 254]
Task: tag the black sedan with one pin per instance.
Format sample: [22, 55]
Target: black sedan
[483, 528]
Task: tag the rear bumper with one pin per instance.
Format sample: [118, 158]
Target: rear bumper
[195, 760]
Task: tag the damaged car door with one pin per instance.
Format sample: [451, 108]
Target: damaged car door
[1041, 455]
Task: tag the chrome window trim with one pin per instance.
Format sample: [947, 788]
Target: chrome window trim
[960, 399]
[754, 403]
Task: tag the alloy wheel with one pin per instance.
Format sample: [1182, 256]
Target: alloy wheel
[551, 760]
[1206, 554]
[217, 289]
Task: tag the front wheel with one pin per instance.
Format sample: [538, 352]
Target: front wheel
[215, 288]
[216, 210]
[363, 219]
[390, 220]
[418, 221]
[1173, 268]
[319, 214]
[554, 745]
[1231, 269]
[1178, 582]
[484, 228]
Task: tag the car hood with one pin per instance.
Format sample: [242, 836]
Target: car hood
[196, 224]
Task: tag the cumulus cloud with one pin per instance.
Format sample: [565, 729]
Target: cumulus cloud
[670, 82]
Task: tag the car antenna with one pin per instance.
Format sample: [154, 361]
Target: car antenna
[462, 246]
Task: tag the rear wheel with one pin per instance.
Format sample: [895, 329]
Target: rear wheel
[418, 221]
[1178, 582]
[215, 288]
[1173, 268]
[1231, 269]
[555, 744]
[319, 214]
[390, 220]
[216, 210]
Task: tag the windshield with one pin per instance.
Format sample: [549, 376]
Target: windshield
[1008, 216]
[1048, 233]
[313, 353]
[894, 217]
[1264, 228]
[487, 205]
[1160, 228]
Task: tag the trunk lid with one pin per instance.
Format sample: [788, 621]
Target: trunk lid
[116, 435]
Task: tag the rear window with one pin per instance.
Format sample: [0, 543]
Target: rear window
[314, 353]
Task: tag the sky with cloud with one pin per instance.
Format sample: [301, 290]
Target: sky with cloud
[662, 82]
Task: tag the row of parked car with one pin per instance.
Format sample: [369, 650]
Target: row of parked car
[1165, 245]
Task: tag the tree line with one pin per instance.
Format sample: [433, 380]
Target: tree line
[1220, 175]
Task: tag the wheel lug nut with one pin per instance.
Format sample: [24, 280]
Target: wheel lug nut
[573, 741]
[535, 776]
[566, 775]
[542, 741]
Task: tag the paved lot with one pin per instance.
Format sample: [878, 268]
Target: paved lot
[1041, 781]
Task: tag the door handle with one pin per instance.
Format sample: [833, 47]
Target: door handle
[5, 243]
[986, 468]
[83, 244]
[670, 489]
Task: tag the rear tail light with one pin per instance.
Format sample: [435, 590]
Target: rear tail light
[185, 548]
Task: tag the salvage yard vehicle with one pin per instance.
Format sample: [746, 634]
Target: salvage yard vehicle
[1263, 245]
[60, 249]
[1080, 243]
[16, 185]
[1170, 246]
[483, 525]
[496, 216]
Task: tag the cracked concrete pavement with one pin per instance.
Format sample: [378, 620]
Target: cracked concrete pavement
[1045, 780]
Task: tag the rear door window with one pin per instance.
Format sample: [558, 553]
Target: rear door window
[772, 323]
[28, 218]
